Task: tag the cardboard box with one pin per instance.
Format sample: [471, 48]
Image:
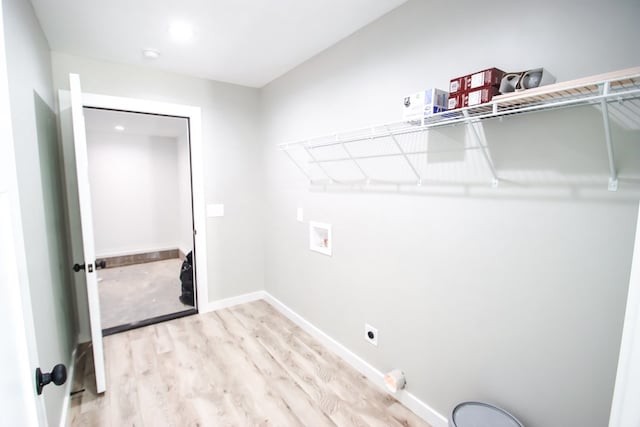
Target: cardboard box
[424, 103]
[472, 97]
[455, 101]
[480, 79]
[457, 85]
[480, 96]
[484, 78]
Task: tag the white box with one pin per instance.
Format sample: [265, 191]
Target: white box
[424, 103]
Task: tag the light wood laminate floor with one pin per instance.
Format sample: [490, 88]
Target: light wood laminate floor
[243, 366]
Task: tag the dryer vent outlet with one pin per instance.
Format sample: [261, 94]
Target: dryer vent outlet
[371, 334]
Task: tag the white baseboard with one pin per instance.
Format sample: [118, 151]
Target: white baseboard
[230, 302]
[68, 388]
[420, 408]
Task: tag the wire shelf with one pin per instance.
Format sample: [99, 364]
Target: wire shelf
[616, 94]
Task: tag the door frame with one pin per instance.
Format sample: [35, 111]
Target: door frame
[194, 115]
[16, 303]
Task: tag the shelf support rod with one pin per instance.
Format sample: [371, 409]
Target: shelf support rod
[319, 164]
[300, 168]
[483, 150]
[353, 159]
[406, 158]
[613, 174]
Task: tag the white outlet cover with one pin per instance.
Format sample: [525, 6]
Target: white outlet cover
[300, 215]
[367, 329]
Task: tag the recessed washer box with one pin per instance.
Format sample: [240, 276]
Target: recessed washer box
[320, 237]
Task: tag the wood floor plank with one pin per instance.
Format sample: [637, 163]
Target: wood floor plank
[186, 372]
[162, 339]
[305, 373]
[293, 396]
[123, 402]
[206, 378]
[369, 402]
[253, 396]
[243, 366]
[91, 418]
[152, 396]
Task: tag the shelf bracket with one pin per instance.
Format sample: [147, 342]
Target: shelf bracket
[404, 155]
[613, 173]
[476, 137]
[319, 164]
[355, 162]
[300, 168]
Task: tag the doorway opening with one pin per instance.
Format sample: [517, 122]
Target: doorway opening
[142, 203]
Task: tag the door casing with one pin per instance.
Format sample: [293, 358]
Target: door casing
[194, 115]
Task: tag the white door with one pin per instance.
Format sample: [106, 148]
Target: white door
[19, 404]
[625, 411]
[86, 220]
[17, 400]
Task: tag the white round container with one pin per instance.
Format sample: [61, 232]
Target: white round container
[478, 414]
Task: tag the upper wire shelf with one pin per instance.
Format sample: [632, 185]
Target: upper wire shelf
[619, 90]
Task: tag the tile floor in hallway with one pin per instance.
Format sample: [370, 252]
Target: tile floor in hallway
[247, 365]
[138, 292]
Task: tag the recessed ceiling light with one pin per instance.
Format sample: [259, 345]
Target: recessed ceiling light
[119, 128]
[150, 53]
[181, 31]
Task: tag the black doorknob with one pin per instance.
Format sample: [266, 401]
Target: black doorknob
[58, 376]
[78, 267]
[100, 263]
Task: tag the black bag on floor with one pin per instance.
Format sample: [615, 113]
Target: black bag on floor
[186, 277]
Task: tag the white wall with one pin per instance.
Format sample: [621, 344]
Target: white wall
[232, 160]
[134, 192]
[513, 295]
[42, 205]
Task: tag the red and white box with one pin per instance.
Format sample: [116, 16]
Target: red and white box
[457, 85]
[455, 100]
[480, 79]
[472, 97]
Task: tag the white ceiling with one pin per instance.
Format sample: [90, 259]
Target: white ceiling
[97, 120]
[247, 42]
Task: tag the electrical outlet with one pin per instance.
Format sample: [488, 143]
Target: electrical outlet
[371, 334]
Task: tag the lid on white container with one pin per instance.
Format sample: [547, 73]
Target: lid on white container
[478, 414]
